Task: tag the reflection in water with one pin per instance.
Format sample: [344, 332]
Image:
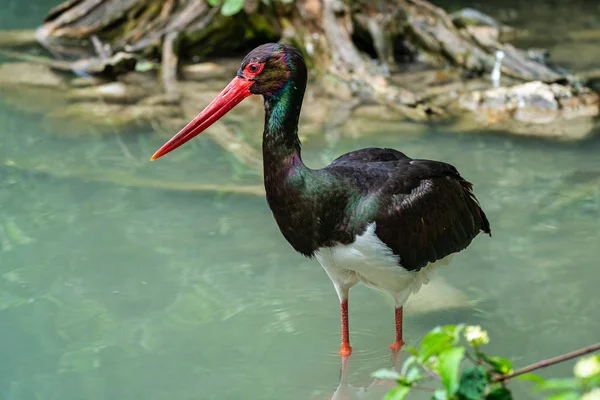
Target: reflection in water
[345, 390]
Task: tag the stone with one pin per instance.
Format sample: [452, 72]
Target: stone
[209, 70]
[117, 64]
[113, 92]
[533, 109]
[19, 74]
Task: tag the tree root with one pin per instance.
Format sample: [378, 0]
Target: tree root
[338, 39]
[169, 65]
[322, 29]
[55, 64]
[17, 38]
[431, 29]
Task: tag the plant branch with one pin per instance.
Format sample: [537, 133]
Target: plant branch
[477, 360]
[432, 374]
[548, 362]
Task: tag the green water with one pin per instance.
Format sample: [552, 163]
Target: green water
[121, 292]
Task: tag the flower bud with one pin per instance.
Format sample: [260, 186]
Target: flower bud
[476, 336]
[587, 367]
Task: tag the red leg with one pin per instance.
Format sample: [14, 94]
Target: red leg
[397, 345]
[346, 350]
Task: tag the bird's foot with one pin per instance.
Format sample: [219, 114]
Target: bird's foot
[346, 350]
[397, 345]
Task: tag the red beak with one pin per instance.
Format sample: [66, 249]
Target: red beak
[237, 90]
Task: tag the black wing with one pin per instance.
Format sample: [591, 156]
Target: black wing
[428, 211]
[369, 155]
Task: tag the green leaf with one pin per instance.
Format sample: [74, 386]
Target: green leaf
[412, 351]
[473, 383]
[145, 66]
[559, 384]
[386, 374]
[454, 331]
[498, 364]
[565, 396]
[413, 375]
[397, 393]
[531, 377]
[213, 3]
[232, 7]
[500, 393]
[433, 343]
[594, 381]
[448, 368]
[410, 361]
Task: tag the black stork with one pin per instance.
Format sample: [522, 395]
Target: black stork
[374, 215]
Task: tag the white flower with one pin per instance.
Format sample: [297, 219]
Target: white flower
[476, 336]
[587, 367]
[594, 394]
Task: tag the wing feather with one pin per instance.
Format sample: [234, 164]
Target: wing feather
[438, 217]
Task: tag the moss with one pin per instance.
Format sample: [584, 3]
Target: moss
[225, 36]
[139, 14]
[259, 25]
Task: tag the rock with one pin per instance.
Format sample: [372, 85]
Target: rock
[357, 127]
[86, 81]
[146, 80]
[318, 109]
[376, 112]
[113, 92]
[534, 109]
[209, 70]
[20, 74]
[116, 65]
[162, 99]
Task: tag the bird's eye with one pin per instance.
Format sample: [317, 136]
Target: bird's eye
[253, 69]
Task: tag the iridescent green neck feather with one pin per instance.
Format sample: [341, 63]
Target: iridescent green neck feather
[282, 112]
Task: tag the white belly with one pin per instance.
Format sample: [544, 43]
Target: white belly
[371, 261]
